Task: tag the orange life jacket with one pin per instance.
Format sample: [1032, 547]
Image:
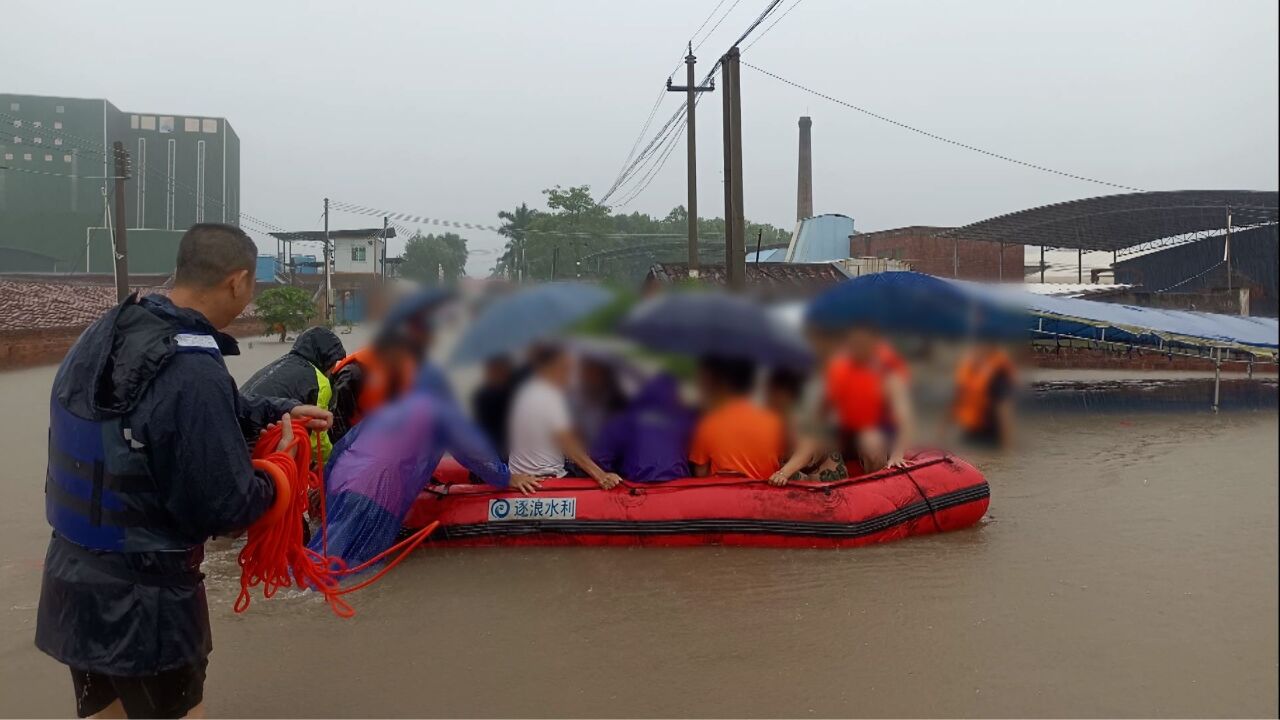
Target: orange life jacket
[381, 382]
[856, 390]
[973, 388]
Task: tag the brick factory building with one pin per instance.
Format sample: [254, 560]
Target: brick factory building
[927, 251]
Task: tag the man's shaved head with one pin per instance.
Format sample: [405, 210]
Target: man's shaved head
[209, 252]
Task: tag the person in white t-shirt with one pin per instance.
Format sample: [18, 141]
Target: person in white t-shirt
[540, 432]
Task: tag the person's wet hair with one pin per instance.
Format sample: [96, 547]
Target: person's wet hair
[735, 374]
[209, 252]
[544, 355]
[786, 381]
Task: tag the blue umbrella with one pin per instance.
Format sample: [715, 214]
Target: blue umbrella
[914, 303]
[526, 316]
[715, 324]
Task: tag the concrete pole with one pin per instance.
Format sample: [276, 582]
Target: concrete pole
[1217, 379]
[380, 254]
[735, 262]
[121, 249]
[726, 114]
[804, 176]
[691, 90]
[691, 101]
[1226, 250]
[1041, 264]
[328, 276]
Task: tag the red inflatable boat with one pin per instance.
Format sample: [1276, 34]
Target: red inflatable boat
[937, 492]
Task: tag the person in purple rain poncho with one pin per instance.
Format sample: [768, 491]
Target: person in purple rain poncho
[649, 440]
[378, 469]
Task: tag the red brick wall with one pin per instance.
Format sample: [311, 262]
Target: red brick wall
[934, 255]
[46, 346]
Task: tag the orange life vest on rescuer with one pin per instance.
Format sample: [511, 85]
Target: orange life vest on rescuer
[973, 388]
[380, 382]
[856, 390]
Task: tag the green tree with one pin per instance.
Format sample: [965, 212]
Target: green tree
[285, 308]
[578, 237]
[515, 225]
[434, 259]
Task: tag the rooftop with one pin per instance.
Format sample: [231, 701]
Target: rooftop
[1118, 222]
[32, 302]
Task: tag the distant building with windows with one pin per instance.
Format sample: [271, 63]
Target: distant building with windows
[56, 176]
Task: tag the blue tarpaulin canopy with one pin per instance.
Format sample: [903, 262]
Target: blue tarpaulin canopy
[914, 302]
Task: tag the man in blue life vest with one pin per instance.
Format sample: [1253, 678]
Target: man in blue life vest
[147, 461]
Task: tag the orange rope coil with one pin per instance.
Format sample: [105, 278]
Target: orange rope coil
[274, 554]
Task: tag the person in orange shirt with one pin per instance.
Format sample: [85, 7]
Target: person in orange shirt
[735, 436]
[867, 389]
[983, 404]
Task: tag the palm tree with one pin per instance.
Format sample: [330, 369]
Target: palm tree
[514, 227]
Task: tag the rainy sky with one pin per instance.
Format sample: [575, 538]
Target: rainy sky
[456, 110]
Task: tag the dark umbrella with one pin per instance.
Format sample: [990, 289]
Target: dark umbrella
[715, 324]
[527, 316]
[914, 303]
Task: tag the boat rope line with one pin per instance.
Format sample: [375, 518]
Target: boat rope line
[937, 525]
[724, 525]
[638, 488]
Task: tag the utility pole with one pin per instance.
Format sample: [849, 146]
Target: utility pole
[1226, 250]
[691, 90]
[382, 272]
[380, 254]
[734, 222]
[328, 276]
[121, 249]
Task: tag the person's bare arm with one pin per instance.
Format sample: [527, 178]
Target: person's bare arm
[806, 451]
[572, 448]
[900, 403]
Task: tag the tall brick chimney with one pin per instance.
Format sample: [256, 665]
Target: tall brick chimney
[804, 180]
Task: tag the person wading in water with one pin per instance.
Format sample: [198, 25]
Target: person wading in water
[147, 461]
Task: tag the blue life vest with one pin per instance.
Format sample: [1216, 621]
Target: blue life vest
[99, 489]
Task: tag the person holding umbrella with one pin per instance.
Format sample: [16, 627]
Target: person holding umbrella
[735, 435]
[382, 371]
[541, 433]
[730, 335]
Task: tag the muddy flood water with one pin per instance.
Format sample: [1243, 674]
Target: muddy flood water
[1128, 567]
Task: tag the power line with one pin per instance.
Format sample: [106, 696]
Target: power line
[775, 22]
[718, 22]
[342, 206]
[9, 168]
[940, 138]
[704, 22]
[660, 147]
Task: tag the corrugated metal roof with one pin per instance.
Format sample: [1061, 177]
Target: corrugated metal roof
[821, 238]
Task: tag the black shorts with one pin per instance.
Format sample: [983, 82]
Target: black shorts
[170, 694]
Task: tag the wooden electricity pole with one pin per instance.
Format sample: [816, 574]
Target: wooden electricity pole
[328, 276]
[735, 261]
[120, 251]
[691, 90]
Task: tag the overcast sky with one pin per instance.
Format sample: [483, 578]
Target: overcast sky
[455, 110]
